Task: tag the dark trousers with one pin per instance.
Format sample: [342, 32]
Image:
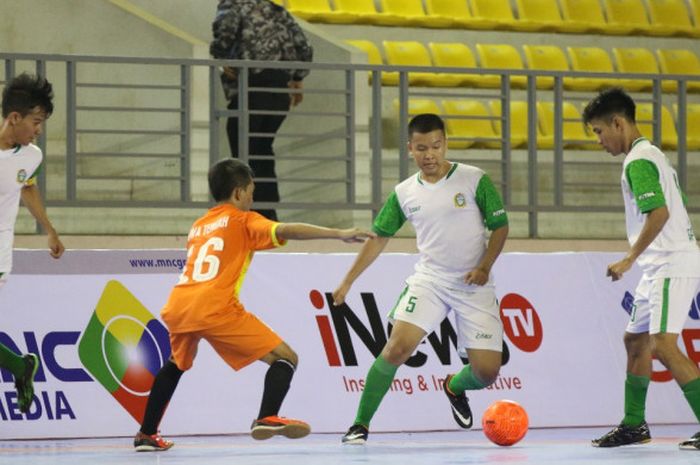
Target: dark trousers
[265, 191]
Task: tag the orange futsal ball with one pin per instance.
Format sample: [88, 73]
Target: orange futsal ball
[505, 422]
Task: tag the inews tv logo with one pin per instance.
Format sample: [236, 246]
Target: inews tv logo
[342, 327]
[123, 347]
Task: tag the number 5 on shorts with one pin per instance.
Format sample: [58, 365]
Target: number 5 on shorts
[411, 304]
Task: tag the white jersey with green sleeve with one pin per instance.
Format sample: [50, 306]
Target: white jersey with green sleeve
[450, 218]
[649, 181]
[18, 168]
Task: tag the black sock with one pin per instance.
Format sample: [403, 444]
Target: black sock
[277, 380]
[161, 392]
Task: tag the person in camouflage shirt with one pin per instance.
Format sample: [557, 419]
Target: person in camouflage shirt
[260, 30]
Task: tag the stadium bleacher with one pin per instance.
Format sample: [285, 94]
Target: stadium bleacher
[614, 17]
[488, 36]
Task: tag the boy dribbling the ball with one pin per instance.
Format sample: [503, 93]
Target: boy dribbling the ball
[451, 206]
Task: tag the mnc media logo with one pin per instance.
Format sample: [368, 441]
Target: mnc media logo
[123, 347]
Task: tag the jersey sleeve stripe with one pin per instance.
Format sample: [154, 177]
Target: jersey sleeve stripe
[241, 277]
[275, 239]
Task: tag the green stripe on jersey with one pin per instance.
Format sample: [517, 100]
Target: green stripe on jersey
[393, 310]
[643, 179]
[664, 307]
[490, 204]
[452, 170]
[390, 218]
[36, 171]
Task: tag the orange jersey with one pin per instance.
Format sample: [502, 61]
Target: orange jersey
[220, 246]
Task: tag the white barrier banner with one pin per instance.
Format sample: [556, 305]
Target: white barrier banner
[93, 319]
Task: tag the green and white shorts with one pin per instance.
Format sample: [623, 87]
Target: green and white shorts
[661, 305]
[477, 315]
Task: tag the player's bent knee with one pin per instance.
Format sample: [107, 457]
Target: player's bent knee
[487, 375]
[284, 352]
[172, 370]
[663, 347]
[397, 354]
[636, 344]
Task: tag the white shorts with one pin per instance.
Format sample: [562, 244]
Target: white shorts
[477, 314]
[661, 305]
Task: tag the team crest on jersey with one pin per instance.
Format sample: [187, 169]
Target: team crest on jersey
[460, 200]
[21, 176]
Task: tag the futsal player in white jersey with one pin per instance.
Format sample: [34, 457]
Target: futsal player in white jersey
[451, 206]
[663, 245]
[26, 104]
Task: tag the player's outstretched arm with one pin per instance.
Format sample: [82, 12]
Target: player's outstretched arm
[369, 252]
[653, 224]
[304, 231]
[480, 274]
[31, 197]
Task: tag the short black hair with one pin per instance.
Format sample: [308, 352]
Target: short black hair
[425, 123]
[227, 175]
[610, 102]
[26, 92]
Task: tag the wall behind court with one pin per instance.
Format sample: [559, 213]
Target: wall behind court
[563, 321]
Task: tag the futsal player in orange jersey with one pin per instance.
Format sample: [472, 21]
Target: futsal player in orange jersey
[204, 304]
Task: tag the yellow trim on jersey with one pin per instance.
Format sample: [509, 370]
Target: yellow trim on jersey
[32, 179]
[241, 277]
[275, 239]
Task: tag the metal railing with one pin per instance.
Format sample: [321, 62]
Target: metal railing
[86, 83]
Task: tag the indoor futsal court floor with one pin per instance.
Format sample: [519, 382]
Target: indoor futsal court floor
[560, 446]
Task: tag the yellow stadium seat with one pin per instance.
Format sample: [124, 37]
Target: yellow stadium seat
[365, 12]
[548, 58]
[412, 14]
[629, 14]
[574, 133]
[374, 57]
[679, 61]
[636, 60]
[500, 57]
[278, 2]
[458, 12]
[596, 60]
[585, 16]
[644, 117]
[454, 55]
[318, 11]
[407, 53]
[692, 124]
[498, 11]
[474, 130]
[695, 11]
[518, 121]
[670, 17]
[542, 14]
[418, 106]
